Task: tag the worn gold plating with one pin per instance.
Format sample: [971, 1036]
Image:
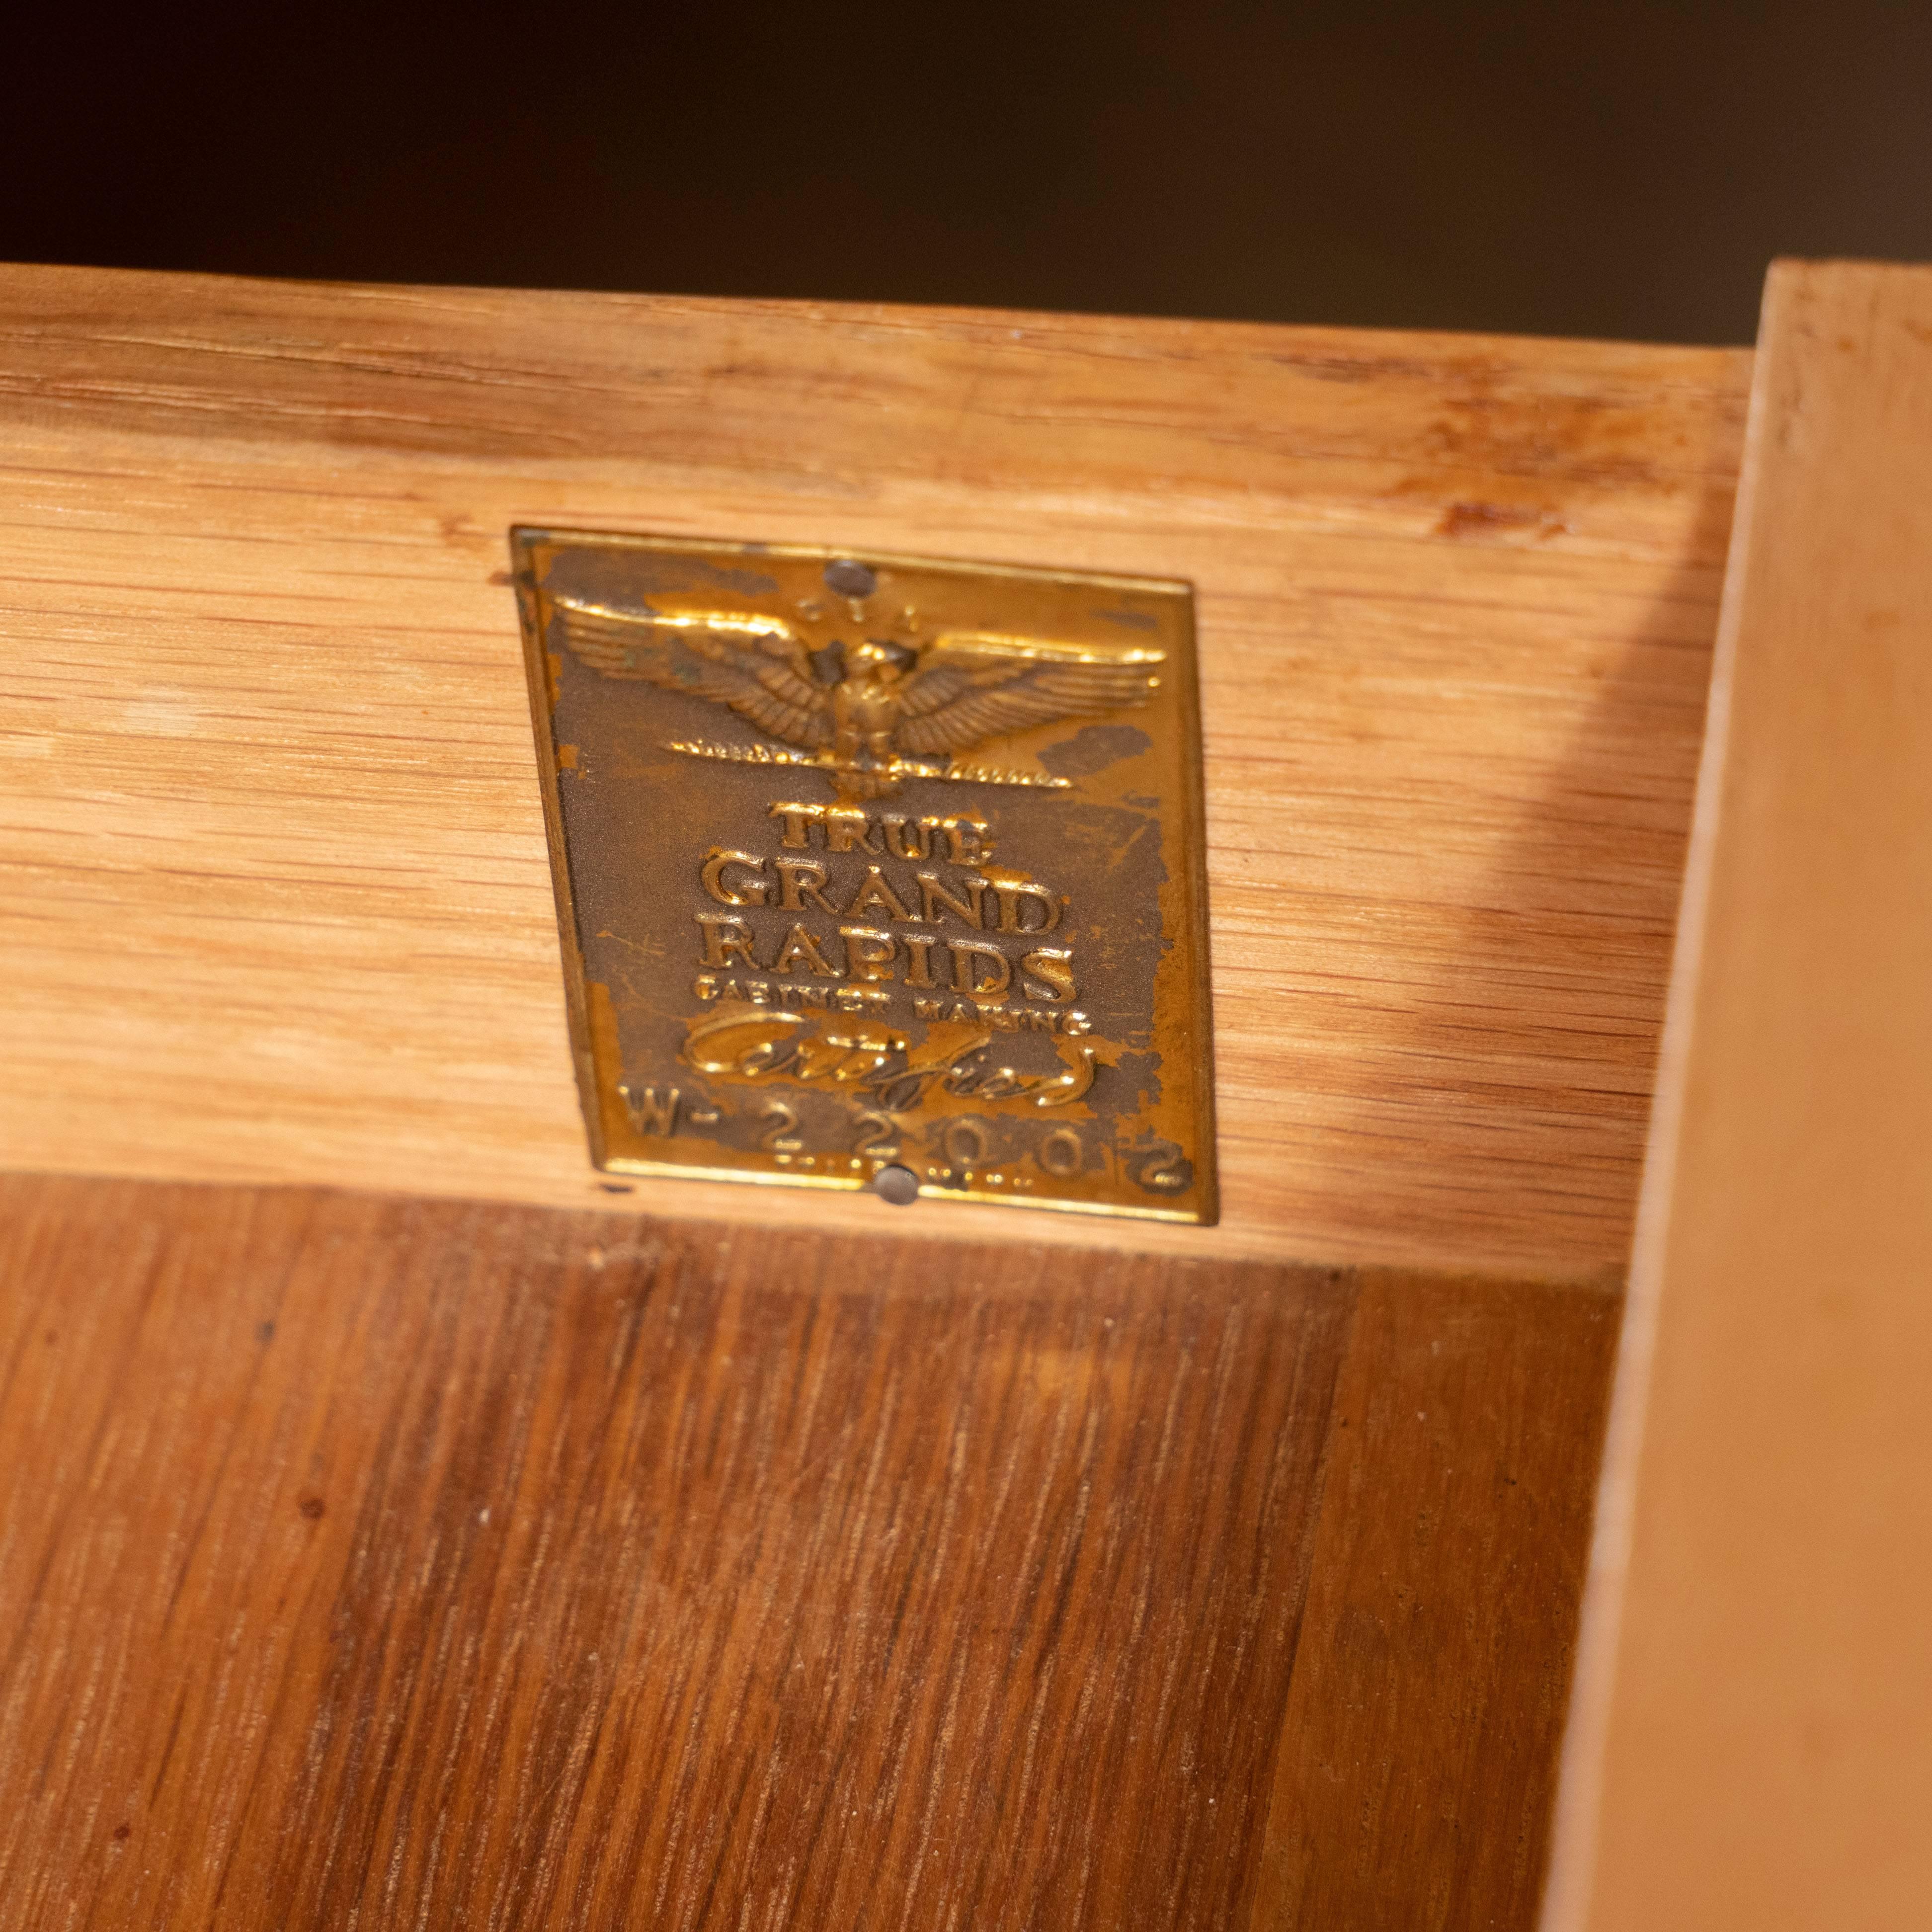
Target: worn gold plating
[867, 862]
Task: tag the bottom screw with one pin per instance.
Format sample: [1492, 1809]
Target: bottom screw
[898, 1185]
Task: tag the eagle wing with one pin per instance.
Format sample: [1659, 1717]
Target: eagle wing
[757, 665]
[974, 685]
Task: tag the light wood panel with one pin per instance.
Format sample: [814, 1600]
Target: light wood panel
[274, 903]
[408, 1562]
[1752, 1742]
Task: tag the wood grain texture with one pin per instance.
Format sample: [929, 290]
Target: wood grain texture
[274, 902]
[1413, 1778]
[1752, 1742]
[392, 1562]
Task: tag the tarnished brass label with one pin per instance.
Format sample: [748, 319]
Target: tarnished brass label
[876, 870]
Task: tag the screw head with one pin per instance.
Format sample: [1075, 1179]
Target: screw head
[847, 578]
[898, 1185]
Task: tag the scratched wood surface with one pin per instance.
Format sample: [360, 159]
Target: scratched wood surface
[273, 899]
[392, 1561]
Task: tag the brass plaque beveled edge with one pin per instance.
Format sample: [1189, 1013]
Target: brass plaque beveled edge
[1195, 1024]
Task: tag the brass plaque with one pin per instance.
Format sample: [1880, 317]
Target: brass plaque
[877, 871]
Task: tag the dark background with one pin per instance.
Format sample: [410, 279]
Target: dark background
[1622, 171]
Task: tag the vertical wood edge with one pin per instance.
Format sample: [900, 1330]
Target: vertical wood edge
[1579, 1789]
[1750, 1741]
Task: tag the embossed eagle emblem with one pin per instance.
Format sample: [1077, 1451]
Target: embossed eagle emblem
[870, 711]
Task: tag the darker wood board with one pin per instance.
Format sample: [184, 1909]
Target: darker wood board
[386, 1562]
[1414, 1776]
